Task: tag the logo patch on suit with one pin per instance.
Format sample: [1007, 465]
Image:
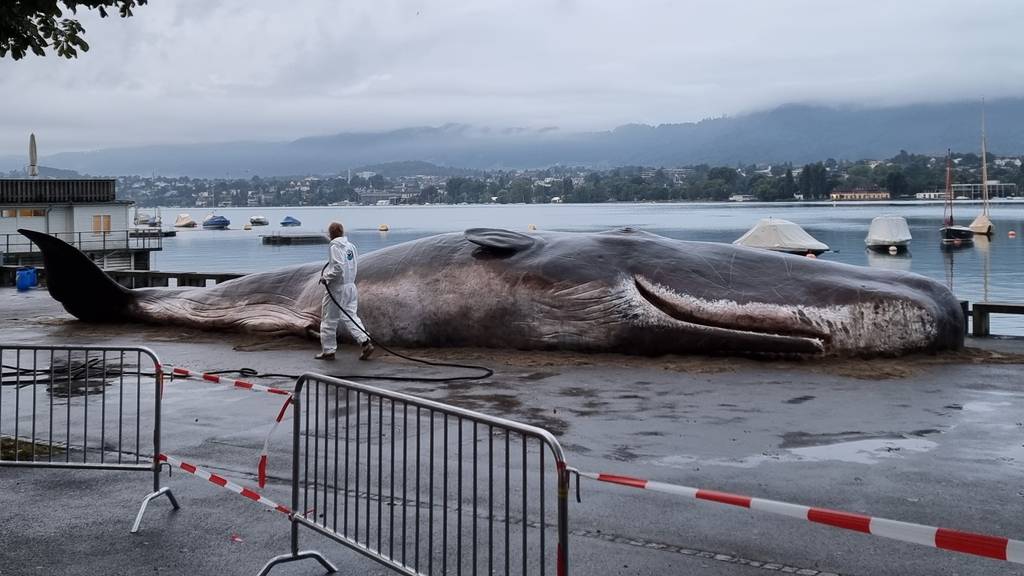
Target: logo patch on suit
[349, 255]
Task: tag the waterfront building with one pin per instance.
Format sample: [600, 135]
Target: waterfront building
[860, 194]
[83, 212]
[996, 189]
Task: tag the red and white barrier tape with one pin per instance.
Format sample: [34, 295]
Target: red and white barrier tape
[177, 371]
[965, 542]
[224, 483]
[261, 466]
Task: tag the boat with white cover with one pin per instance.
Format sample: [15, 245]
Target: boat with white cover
[781, 236]
[888, 234]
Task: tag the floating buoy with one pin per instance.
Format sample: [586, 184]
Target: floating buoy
[247, 227]
[532, 226]
[811, 255]
[1012, 234]
[383, 228]
[893, 249]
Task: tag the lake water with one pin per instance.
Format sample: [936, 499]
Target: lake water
[992, 270]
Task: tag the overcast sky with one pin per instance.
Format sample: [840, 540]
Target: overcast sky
[199, 70]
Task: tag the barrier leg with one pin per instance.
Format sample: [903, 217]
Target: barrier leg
[145, 502]
[283, 558]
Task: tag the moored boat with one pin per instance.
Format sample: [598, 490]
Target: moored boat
[982, 225]
[781, 236]
[950, 233]
[184, 221]
[888, 234]
[259, 221]
[215, 222]
[289, 221]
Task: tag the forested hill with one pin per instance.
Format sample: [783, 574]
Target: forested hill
[792, 133]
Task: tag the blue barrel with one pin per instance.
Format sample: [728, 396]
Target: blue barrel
[25, 278]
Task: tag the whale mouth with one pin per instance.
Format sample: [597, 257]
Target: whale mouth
[778, 331]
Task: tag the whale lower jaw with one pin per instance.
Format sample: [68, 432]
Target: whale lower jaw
[789, 329]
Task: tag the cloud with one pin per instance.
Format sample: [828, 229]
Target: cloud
[199, 71]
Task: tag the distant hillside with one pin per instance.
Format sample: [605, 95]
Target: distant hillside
[44, 172]
[793, 133]
[414, 168]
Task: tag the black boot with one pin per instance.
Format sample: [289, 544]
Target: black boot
[367, 350]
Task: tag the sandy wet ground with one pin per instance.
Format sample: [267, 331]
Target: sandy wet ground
[928, 439]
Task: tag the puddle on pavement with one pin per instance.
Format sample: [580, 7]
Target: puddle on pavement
[980, 406]
[65, 378]
[864, 451]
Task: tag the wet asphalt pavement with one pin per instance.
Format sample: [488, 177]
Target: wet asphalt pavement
[928, 440]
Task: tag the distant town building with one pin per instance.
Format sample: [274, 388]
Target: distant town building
[996, 189]
[860, 194]
[742, 198]
[83, 212]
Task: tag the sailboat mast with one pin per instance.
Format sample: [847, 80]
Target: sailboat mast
[984, 163]
[948, 216]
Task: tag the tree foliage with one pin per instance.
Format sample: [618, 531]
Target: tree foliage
[35, 25]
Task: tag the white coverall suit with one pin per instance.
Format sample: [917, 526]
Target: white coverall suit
[340, 276]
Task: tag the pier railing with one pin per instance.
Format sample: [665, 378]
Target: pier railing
[18, 245]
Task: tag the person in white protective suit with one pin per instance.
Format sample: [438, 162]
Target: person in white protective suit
[339, 276]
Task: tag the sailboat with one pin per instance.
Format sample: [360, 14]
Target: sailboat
[950, 232]
[982, 226]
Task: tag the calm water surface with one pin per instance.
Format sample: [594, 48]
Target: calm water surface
[988, 270]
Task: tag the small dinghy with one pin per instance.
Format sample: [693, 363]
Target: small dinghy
[184, 221]
[259, 221]
[888, 234]
[289, 221]
[781, 236]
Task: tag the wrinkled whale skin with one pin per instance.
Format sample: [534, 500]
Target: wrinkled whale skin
[621, 291]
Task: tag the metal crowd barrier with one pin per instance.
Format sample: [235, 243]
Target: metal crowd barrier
[423, 487]
[86, 407]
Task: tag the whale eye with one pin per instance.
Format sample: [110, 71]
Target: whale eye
[498, 241]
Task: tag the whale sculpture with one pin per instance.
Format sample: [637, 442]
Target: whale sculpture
[623, 291]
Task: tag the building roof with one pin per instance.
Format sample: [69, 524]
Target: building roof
[57, 190]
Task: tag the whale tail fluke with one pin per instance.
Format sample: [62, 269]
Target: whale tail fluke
[77, 283]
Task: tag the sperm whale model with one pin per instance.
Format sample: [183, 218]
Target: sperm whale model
[621, 291]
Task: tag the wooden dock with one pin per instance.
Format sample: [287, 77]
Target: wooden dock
[152, 233]
[294, 239]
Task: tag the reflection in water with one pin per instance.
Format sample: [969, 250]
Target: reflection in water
[899, 262]
[949, 252]
[984, 246]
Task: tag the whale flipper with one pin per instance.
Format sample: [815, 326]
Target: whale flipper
[77, 283]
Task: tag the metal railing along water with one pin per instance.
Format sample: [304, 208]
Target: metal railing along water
[423, 487]
[85, 407]
[102, 241]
